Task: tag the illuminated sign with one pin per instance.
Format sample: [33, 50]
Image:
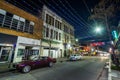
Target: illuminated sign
[97, 44]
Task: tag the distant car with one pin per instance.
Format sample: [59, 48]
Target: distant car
[75, 57]
[104, 54]
[27, 65]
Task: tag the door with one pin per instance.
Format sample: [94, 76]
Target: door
[5, 56]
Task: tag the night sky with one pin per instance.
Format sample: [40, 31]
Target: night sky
[76, 12]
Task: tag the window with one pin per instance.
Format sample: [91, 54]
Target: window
[52, 21]
[31, 27]
[21, 24]
[44, 31]
[20, 52]
[60, 26]
[2, 15]
[5, 55]
[56, 23]
[51, 35]
[46, 18]
[27, 23]
[50, 54]
[15, 22]
[47, 32]
[59, 36]
[49, 20]
[56, 35]
[1, 19]
[8, 19]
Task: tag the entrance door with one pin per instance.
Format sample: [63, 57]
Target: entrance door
[5, 56]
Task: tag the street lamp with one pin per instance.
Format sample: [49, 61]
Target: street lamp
[98, 29]
[76, 40]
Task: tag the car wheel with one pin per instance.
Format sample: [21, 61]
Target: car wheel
[50, 64]
[26, 69]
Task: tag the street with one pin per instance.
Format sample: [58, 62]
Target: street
[87, 69]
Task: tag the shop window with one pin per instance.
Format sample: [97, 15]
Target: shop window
[20, 52]
[8, 20]
[4, 55]
[34, 52]
[51, 54]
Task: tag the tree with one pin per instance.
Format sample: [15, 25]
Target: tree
[104, 12]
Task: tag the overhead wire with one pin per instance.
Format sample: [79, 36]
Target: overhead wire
[74, 19]
[88, 9]
[75, 11]
[57, 11]
[28, 9]
[69, 10]
[66, 13]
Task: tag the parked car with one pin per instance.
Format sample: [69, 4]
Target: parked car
[27, 65]
[75, 57]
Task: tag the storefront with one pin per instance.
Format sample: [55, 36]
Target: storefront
[55, 51]
[7, 46]
[26, 48]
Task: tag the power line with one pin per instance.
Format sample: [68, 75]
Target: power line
[75, 11]
[72, 13]
[69, 17]
[65, 17]
[88, 9]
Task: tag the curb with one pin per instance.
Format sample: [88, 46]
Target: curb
[109, 70]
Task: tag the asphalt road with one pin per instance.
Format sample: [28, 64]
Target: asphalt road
[86, 69]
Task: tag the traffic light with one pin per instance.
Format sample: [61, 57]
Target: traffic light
[115, 34]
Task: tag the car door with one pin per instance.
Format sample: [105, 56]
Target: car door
[39, 63]
[45, 61]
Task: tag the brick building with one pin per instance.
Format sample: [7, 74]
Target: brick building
[20, 33]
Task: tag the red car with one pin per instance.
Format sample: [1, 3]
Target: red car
[27, 65]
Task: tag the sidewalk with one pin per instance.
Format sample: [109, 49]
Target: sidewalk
[115, 75]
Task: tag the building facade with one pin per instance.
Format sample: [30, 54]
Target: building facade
[58, 35]
[20, 34]
[68, 38]
[52, 34]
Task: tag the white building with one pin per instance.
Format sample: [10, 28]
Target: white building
[52, 34]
